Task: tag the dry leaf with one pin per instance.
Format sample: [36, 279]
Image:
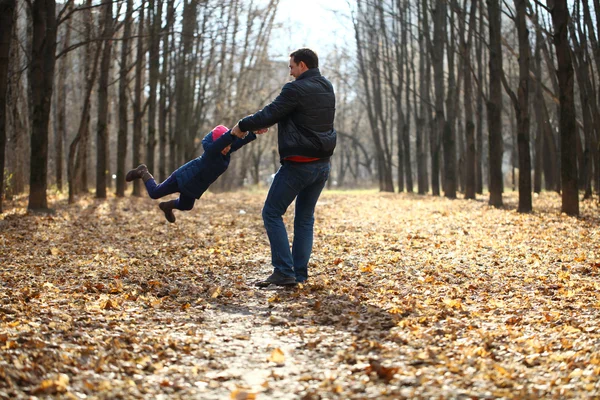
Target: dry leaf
[277, 357]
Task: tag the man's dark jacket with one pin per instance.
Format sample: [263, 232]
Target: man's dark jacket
[304, 112]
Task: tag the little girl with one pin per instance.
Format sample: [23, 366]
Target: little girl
[192, 179]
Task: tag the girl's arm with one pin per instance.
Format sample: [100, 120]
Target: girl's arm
[238, 143]
[217, 146]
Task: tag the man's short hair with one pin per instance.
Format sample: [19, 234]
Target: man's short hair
[305, 54]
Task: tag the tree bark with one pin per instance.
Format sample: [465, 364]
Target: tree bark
[522, 110]
[470, 167]
[479, 107]
[567, 125]
[7, 17]
[449, 130]
[138, 114]
[123, 103]
[164, 110]
[437, 57]
[494, 105]
[102, 122]
[155, 11]
[41, 79]
[61, 102]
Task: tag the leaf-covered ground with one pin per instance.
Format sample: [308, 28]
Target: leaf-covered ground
[409, 297]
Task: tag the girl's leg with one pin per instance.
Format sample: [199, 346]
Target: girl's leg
[169, 186]
[184, 203]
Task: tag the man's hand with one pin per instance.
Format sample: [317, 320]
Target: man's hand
[261, 131]
[236, 131]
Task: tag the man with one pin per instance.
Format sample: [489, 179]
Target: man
[304, 112]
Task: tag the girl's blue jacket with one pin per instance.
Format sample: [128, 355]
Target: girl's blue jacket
[194, 177]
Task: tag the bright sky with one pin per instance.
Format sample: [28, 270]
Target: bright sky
[317, 24]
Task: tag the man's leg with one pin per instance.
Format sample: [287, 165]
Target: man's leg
[304, 221]
[281, 194]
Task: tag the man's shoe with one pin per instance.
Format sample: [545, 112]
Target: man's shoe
[137, 173]
[277, 279]
[167, 207]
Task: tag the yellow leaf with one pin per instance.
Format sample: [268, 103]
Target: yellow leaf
[216, 292]
[110, 305]
[277, 357]
[54, 251]
[238, 394]
[453, 303]
[367, 268]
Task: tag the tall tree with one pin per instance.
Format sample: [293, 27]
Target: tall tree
[449, 131]
[7, 17]
[567, 118]
[423, 118]
[470, 167]
[494, 105]
[437, 58]
[123, 102]
[138, 113]
[479, 102]
[102, 122]
[41, 80]
[154, 22]
[60, 134]
[521, 107]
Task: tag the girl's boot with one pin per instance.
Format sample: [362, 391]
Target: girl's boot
[140, 172]
[167, 207]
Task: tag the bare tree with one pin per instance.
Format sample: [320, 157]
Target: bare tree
[567, 125]
[138, 113]
[154, 23]
[521, 107]
[101, 129]
[437, 59]
[7, 17]
[123, 102]
[41, 80]
[470, 166]
[494, 105]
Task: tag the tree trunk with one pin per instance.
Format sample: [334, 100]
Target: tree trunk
[494, 105]
[423, 122]
[137, 104]
[470, 167]
[449, 132]
[164, 82]
[77, 145]
[123, 104]
[406, 131]
[41, 79]
[567, 125]
[479, 106]
[102, 123]
[183, 90]
[7, 17]
[539, 98]
[154, 62]
[437, 58]
[522, 111]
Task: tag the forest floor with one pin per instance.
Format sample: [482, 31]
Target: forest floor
[408, 297]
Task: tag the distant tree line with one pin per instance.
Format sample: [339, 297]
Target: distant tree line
[449, 85]
[90, 89]
[443, 96]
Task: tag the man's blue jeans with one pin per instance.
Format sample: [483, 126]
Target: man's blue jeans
[303, 182]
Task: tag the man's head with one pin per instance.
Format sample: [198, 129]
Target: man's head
[217, 132]
[302, 60]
